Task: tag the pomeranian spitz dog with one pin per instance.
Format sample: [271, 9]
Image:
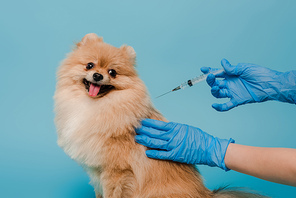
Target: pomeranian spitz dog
[99, 101]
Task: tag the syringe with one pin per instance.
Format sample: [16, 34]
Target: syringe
[191, 82]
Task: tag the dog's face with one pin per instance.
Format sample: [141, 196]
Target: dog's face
[97, 68]
[98, 95]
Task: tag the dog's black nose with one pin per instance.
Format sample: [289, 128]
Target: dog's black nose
[97, 77]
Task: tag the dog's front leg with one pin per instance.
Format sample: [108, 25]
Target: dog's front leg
[118, 184]
[98, 195]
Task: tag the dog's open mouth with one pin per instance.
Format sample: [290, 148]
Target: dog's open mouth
[95, 89]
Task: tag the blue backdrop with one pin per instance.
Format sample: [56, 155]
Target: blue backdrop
[173, 39]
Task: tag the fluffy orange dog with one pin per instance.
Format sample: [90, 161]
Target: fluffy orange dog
[99, 101]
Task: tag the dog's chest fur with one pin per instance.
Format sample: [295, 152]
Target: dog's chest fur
[88, 128]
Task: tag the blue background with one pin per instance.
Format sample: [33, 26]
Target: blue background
[173, 39]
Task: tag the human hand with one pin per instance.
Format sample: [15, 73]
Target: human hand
[181, 143]
[249, 83]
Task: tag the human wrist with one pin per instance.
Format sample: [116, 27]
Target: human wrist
[217, 150]
[227, 143]
[230, 158]
[287, 91]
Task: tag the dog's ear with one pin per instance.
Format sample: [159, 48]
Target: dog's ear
[130, 52]
[89, 38]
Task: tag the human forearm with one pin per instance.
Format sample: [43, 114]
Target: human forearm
[272, 164]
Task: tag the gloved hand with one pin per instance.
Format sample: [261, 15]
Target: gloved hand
[181, 143]
[249, 83]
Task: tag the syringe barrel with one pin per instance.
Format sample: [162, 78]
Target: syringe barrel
[204, 76]
[198, 79]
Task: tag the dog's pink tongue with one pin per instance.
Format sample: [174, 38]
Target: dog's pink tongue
[94, 89]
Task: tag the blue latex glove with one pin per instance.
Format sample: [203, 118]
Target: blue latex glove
[181, 143]
[249, 83]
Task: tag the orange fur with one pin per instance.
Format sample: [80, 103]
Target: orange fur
[98, 132]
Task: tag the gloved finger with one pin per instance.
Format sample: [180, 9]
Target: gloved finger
[223, 107]
[157, 124]
[220, 74]
[213, 81]
[157, 154]
[153, 133]
[215, 91]
[205, 70]
[230, 69]
[222, 84]
[151, 142]
[220, 93]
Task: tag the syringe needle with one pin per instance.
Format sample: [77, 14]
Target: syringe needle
[177, 88]
[163, 94]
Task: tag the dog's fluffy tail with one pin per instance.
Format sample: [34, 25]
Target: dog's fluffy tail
[225, 192]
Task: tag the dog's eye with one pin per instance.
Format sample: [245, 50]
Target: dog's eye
[90, 65]
[112, 73]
